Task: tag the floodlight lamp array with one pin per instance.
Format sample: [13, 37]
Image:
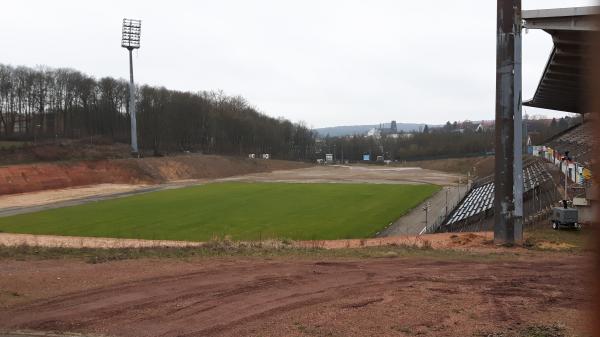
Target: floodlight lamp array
[130, 38]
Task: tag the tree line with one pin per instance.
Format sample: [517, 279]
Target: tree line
[429, 143]
[448, 141]
[47, 103]
[541, 131]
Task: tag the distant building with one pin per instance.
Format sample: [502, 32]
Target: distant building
[379, 132]
[485, 126]
[374, 132]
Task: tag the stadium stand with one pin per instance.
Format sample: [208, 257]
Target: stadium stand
[543, 172]
[477, 205]
[579, 142]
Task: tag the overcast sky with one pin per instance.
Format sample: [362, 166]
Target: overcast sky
[322, 62]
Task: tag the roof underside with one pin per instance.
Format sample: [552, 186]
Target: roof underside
[563, 83]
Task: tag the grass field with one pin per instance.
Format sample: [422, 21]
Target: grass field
[241, 211]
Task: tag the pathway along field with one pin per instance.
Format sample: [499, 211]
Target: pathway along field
[430, 294]
[241, 211]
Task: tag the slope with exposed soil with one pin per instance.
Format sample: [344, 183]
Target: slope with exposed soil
[43, 176]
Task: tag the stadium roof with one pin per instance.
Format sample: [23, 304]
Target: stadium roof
[563, 83]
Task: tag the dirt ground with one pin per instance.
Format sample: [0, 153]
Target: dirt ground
[286, 296]
[480, 241]
[355, 174]
[477, 166]
[52, 196]
[475, 241]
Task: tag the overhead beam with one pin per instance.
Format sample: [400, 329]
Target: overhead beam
[566, 19]
[560, 12]
[574, 24]
[562, 85]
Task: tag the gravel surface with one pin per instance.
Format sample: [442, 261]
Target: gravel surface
[416, 221]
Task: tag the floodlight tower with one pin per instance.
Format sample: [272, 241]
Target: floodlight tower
[130, 39]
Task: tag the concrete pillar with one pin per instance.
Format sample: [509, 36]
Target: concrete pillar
[508, 104]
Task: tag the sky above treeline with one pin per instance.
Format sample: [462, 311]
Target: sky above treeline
[326, 63]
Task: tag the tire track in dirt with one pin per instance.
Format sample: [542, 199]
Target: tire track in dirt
[279, 298]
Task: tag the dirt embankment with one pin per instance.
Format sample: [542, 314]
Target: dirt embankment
[37, 177]
[43, 176]
[206, 167]
[463, 241]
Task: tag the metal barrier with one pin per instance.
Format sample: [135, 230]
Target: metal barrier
[476, 209]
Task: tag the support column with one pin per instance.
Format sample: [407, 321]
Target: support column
[518, 122]
[134, 144]
[508, 92]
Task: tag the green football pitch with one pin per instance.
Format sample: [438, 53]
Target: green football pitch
[240, 211]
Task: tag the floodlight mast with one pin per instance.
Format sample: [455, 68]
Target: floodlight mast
[130, 39]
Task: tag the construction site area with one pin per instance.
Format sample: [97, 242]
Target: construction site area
[219, 220]
[453, 283]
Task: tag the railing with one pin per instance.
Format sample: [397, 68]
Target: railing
[538, 205]
[442, 218]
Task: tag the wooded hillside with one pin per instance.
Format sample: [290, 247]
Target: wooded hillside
[44, 103]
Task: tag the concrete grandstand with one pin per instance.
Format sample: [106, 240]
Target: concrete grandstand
[475, 211]
[562, 87]
[578, 142]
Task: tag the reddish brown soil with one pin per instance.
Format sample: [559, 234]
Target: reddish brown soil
[37, 177]
[296, 297]
[44, 176]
